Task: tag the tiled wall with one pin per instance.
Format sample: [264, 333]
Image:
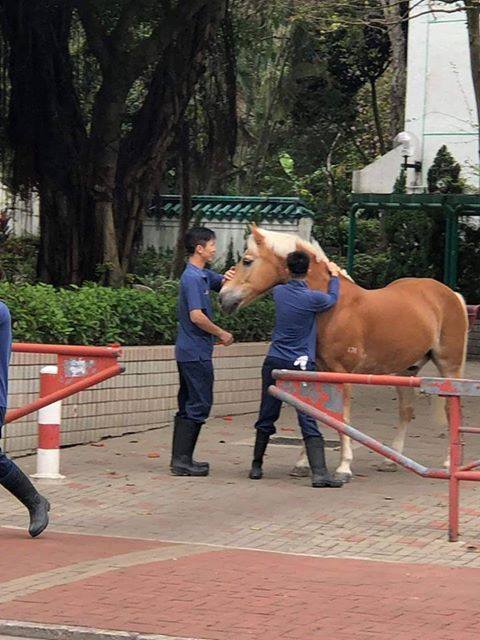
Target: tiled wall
[144, 396]
[141, 398]
[474, 342]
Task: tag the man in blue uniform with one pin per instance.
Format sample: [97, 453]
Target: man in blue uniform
[293, 347]
[194, 349]
[11, 477]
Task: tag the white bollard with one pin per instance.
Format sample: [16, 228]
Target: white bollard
[49, 420]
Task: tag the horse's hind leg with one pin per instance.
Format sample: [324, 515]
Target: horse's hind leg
[301, 468]
[343, 472]
[447, 369]
[405, 410]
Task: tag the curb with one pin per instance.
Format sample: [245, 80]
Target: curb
[15, 629]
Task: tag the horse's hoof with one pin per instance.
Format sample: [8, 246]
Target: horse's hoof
[387, 467]
[344, 477]
[300, 472]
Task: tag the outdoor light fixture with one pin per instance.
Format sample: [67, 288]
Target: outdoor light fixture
[405, 140]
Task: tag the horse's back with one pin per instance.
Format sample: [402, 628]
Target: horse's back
[390, 329]
[421, 295]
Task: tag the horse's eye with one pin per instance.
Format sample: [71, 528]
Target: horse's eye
[246, 262]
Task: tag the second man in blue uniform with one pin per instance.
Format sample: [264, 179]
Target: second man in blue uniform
[293, 347]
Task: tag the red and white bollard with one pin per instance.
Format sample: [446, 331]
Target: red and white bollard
[49, 419]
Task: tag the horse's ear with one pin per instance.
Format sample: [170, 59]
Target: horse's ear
[257, 236]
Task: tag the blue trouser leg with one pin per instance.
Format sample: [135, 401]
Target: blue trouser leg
[270, 407]
[308, 426]
[6, 465]
[182, 394]
[195, 397]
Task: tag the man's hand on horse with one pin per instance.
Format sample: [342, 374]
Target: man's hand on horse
[228, 275]
[333, 268]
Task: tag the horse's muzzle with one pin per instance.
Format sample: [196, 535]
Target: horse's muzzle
[229, 301]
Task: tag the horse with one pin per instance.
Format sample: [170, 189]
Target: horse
[394, 330]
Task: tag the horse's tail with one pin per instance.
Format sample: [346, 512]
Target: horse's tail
[465, 341]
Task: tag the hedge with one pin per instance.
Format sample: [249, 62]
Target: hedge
[96, 315]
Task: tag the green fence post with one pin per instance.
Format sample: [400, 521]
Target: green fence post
[352, 231]
[454, 249]
[448, 245]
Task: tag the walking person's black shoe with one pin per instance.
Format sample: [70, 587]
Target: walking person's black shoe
[18, 484]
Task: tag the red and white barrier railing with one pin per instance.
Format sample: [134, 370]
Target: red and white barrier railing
[317, 394]
[78, 368]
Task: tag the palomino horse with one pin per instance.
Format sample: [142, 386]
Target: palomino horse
[393, 330]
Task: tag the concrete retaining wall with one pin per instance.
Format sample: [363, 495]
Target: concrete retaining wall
[142, 398]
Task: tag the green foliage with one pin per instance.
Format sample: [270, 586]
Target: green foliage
[409, 235]
[95, 315]
[18, 259]
[400, 185]
[151, 267]
[230, 260]
[469, 262]
[370, 269]
[444, 174]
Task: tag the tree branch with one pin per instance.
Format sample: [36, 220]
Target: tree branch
[97, 36]
[149, 50]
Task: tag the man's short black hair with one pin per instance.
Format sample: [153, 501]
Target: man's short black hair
[298, 263]
[196, 236]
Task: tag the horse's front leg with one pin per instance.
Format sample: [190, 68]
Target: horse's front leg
[344, 469]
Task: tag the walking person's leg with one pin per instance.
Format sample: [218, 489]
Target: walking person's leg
[18, 484]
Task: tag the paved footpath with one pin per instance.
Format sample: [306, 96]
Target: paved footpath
[134, 549]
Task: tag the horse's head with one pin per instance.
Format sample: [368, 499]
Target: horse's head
[263, 265]
[259, 270]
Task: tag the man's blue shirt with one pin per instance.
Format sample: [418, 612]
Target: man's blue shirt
[192, 342]
[5, 350]
[296, 306]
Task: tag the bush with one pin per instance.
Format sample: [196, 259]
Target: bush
[150, 264]
[99, 315]
[18, 259]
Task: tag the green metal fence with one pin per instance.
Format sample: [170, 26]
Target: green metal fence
[451, 206]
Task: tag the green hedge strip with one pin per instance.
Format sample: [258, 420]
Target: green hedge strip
[95, 315]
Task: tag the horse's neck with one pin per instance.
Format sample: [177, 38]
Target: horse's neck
[319, 277]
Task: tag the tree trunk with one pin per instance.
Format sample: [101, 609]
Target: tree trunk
[47, 134]
[105, 140]
[393, 15]
[376, 116]
[473, 25]
[143, 152]
[186, 202]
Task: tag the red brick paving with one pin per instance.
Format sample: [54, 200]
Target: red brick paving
[240, 595]
[227, 594]
[21, 556]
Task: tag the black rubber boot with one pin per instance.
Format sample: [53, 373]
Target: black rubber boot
[316, 457]
[261, 443]
[38, 507]
[184, 440]
[177, 428]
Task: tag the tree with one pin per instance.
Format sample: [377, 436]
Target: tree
[97, 170]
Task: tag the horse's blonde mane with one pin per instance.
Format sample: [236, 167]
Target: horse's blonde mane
[284, 243]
